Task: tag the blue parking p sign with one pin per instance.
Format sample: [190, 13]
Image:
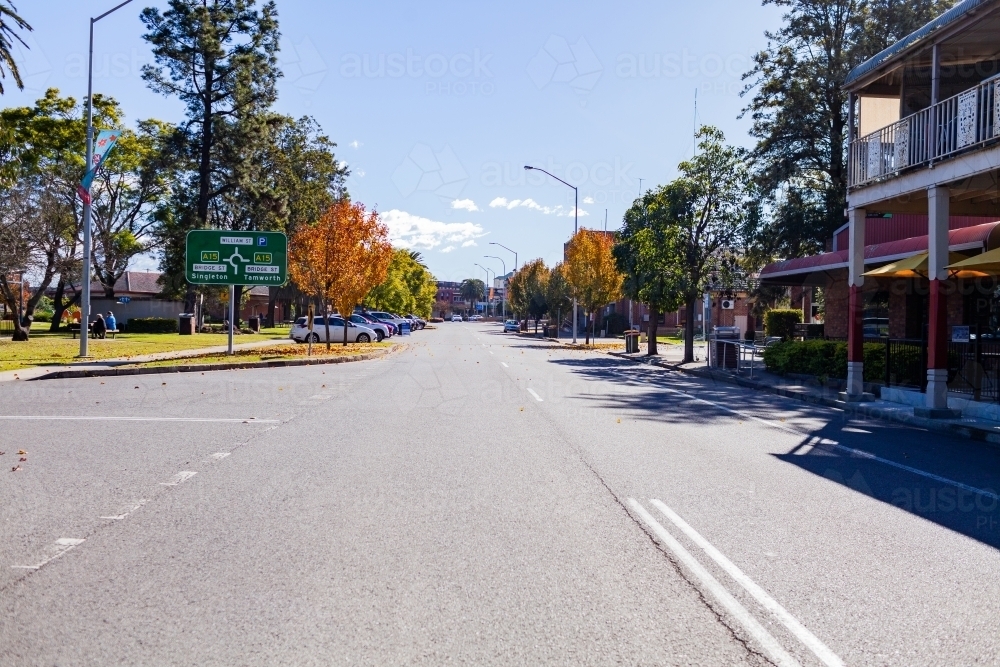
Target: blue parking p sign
[261, 241]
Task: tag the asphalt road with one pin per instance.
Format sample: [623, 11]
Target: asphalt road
[482, 499]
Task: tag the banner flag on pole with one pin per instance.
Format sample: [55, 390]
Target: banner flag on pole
[102, 146]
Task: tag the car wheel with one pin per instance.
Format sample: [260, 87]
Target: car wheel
[364, 338]
[379, 336]
[312, 338]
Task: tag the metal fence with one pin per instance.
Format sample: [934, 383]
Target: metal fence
[951, 126]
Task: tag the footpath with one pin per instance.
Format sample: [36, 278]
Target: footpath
[108, 367]
[670, 356]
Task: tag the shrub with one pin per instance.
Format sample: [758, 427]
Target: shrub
[43, 317]
[781, 322]
[153, 325]
[823, 358]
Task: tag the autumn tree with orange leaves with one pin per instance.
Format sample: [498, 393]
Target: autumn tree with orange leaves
[340, 258]
[591, 272]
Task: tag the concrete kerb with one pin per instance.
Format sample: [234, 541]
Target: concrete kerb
[195, 368]
[971, 431]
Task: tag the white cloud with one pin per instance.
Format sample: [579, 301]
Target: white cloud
[465, 204]
[355, 144]
[468, 243]
[412, 231]
[360, 173]
[588, 200]
[342, 164]
[531, 204]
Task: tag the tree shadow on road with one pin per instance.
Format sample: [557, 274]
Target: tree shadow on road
[953, 468]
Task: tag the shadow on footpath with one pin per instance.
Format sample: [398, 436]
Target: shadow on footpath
[973, 511]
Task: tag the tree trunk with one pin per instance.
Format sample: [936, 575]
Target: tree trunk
[58, 307]
[586, 331]
[272, 298]
[326, 322]
[654, 321]
[689, 328]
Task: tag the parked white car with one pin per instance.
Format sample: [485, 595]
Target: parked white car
[456, 318]
[355, 332]
[381, 330]
[389, 317]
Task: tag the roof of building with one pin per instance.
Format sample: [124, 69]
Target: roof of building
[144, 283]
[966, 238]
[913, 40]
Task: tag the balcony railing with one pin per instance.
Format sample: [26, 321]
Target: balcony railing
[955, 125]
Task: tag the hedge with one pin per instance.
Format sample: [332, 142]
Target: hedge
[781, 322]
[824, 358]
[153, 325]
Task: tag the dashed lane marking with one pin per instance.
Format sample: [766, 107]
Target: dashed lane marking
[535, 394]
[62, 546]
[119, 517]
[771, 647]
[504, 364]
[179, 478]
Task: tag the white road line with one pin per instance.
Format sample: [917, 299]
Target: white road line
[179, 478]
[490, 351]
[119, 517]
[249, 420]
[535, 394]
[504, 364]
[835, 445]
[321, 397]
[821, 650]
[220, 455]
[770, 645]
[61, 546]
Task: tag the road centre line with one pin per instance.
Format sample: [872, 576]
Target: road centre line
[770, 645]
[535, 394]
[62, 545]
[836, 445]
[249, 420]
[179, 478]
[822, 651]
[119, 517]
[504, 364]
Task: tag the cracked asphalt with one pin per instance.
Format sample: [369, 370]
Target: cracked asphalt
[472, 499]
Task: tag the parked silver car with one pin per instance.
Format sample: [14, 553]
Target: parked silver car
[356, 333]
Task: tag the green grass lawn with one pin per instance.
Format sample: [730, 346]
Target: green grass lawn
[47, 348]
[280, 352]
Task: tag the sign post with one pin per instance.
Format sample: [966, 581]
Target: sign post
[216, 257]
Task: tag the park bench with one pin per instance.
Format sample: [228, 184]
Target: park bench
[75, 330]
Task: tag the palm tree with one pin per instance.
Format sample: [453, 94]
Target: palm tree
[8, 21]
[472, 289]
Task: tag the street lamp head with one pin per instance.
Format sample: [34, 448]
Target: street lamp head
[527, 167]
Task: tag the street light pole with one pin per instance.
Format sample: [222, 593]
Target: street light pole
[508, 250]
[87, 237]
[503, 299]
[576, 226]
[487, 292]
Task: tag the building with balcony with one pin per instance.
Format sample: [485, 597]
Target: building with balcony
[923, 169]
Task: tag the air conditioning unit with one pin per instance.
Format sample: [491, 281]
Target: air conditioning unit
[728, 304]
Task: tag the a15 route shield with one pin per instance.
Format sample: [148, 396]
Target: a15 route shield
[217, 257]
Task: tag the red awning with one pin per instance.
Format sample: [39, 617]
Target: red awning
[798, 269]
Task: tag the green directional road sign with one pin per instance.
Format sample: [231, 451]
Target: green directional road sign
[236, 258]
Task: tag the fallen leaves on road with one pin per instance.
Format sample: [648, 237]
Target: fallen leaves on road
[21, 452]
[23, 459]
[522, 409]
[15, 468]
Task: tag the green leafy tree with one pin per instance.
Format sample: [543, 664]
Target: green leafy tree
[408, 288]
[472, 290]
[708, 213]
[558, 294]
[644, 254]
[39, 200]
[799, 108]
[219, 58]
[10, 22]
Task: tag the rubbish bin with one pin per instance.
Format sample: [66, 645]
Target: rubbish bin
[726, 354]
[254, 323]
[186, 325]
[631, 341]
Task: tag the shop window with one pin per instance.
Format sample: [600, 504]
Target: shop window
[875, 316]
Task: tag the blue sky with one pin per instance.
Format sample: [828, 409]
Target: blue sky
[436, 106]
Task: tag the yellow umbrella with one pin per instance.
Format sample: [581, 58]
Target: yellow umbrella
[980, 266]
[914, 266]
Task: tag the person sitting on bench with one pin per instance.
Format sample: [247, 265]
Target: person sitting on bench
[100, 327]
